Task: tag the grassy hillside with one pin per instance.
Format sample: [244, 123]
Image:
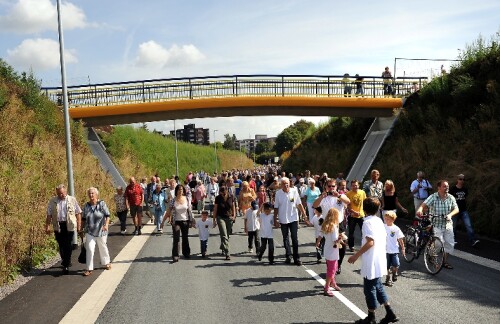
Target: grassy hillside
[332, 149]
[450, 127]
[32, 164]
[137, 151]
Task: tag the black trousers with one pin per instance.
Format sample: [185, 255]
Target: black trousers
[291, 230]
[253, 236]
[264, 242]
[178, 228]
[64, 239]
[352, 227]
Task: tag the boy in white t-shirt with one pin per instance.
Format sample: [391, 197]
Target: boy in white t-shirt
[317, 221]
[266, 219]
[374, 263]
[204, 225]
[394, 241]
[252, 226]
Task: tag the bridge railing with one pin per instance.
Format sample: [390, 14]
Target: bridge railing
[106, 94]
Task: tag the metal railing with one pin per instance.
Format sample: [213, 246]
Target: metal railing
[158, 90]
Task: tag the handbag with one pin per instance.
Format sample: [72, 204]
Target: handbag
[82, 258]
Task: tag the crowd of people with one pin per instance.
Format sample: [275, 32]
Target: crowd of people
[267, 199]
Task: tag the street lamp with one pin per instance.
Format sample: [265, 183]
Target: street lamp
[215, 150]
[69, 158]
[176, 153]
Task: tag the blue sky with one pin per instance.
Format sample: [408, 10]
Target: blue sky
[108, 41]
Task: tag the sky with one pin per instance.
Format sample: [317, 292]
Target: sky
[112, 41]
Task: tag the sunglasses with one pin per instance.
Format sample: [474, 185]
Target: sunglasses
[331, 186]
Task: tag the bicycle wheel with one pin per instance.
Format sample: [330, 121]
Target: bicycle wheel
[434, 255]
[410, 245]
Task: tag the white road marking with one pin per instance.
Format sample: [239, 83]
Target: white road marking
[338, 295]
[477, 260]
[93, 301]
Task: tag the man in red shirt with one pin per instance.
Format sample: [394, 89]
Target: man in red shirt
[134, 198]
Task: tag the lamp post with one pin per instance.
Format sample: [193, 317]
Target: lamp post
[67, 131]
[176, 153]
[215, 150]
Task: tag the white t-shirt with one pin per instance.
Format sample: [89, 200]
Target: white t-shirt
[204, 228]
[330, 252]
[317, 226]
[266, 225]
[393, 234]
[287, 202]
[252, 220]
[330, 202]
[374, 261]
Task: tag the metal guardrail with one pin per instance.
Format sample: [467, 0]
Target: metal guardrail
[157, 90]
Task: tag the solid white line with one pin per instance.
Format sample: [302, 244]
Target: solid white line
[477, 259]
[338, 295]
[93, 301]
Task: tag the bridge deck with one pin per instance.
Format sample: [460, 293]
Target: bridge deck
[247, 95]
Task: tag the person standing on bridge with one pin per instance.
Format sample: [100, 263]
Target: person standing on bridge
[387, 79]
[64, 214]
[287, 205]
[374, 263]
[135, 199]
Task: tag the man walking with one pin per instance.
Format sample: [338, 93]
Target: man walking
[460, 192]
[64, 213]
[420, 189]
[443, 204]
[134, 198]
[287, 205]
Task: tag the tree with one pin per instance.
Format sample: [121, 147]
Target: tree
[229, 142]
[303, 127]
[262, 147]
[286, 140]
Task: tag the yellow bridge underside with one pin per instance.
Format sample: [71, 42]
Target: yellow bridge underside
[236, 106]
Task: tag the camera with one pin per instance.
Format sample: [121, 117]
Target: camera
[329, 193]
[320, 221]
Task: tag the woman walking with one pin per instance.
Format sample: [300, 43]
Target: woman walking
[247, 195]
[96, 221]
[390, 199]
[224, 215]
[121, 209]
[179, 216]
[158, 200]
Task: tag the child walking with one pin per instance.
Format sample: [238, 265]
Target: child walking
[252, 227]
[374, 263]
[330, 232]
[204, 225]
[394, 241]
[266, 219]
[317, 221]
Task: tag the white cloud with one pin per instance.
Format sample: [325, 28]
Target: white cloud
[38, 54]
[152, 54]
[35, 16]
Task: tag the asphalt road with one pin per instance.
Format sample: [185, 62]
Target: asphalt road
[244, 290]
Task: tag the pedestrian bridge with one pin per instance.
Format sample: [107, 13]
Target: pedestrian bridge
[237, 95]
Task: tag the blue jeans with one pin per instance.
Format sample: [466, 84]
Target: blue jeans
[293, 227]
[392, 260]
[468, 225]
[374, 291]
[158, 218]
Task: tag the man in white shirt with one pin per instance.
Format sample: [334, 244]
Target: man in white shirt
[287, 205]
[374, 263]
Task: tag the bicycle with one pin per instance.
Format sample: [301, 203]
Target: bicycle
[421, 238]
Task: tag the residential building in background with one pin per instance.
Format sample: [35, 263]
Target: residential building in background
[191, 134]
[249, 144]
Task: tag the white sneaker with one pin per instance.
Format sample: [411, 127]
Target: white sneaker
[250, 250]
[160, 231]
[123, 232]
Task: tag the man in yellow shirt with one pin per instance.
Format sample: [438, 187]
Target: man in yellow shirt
[355, 211]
